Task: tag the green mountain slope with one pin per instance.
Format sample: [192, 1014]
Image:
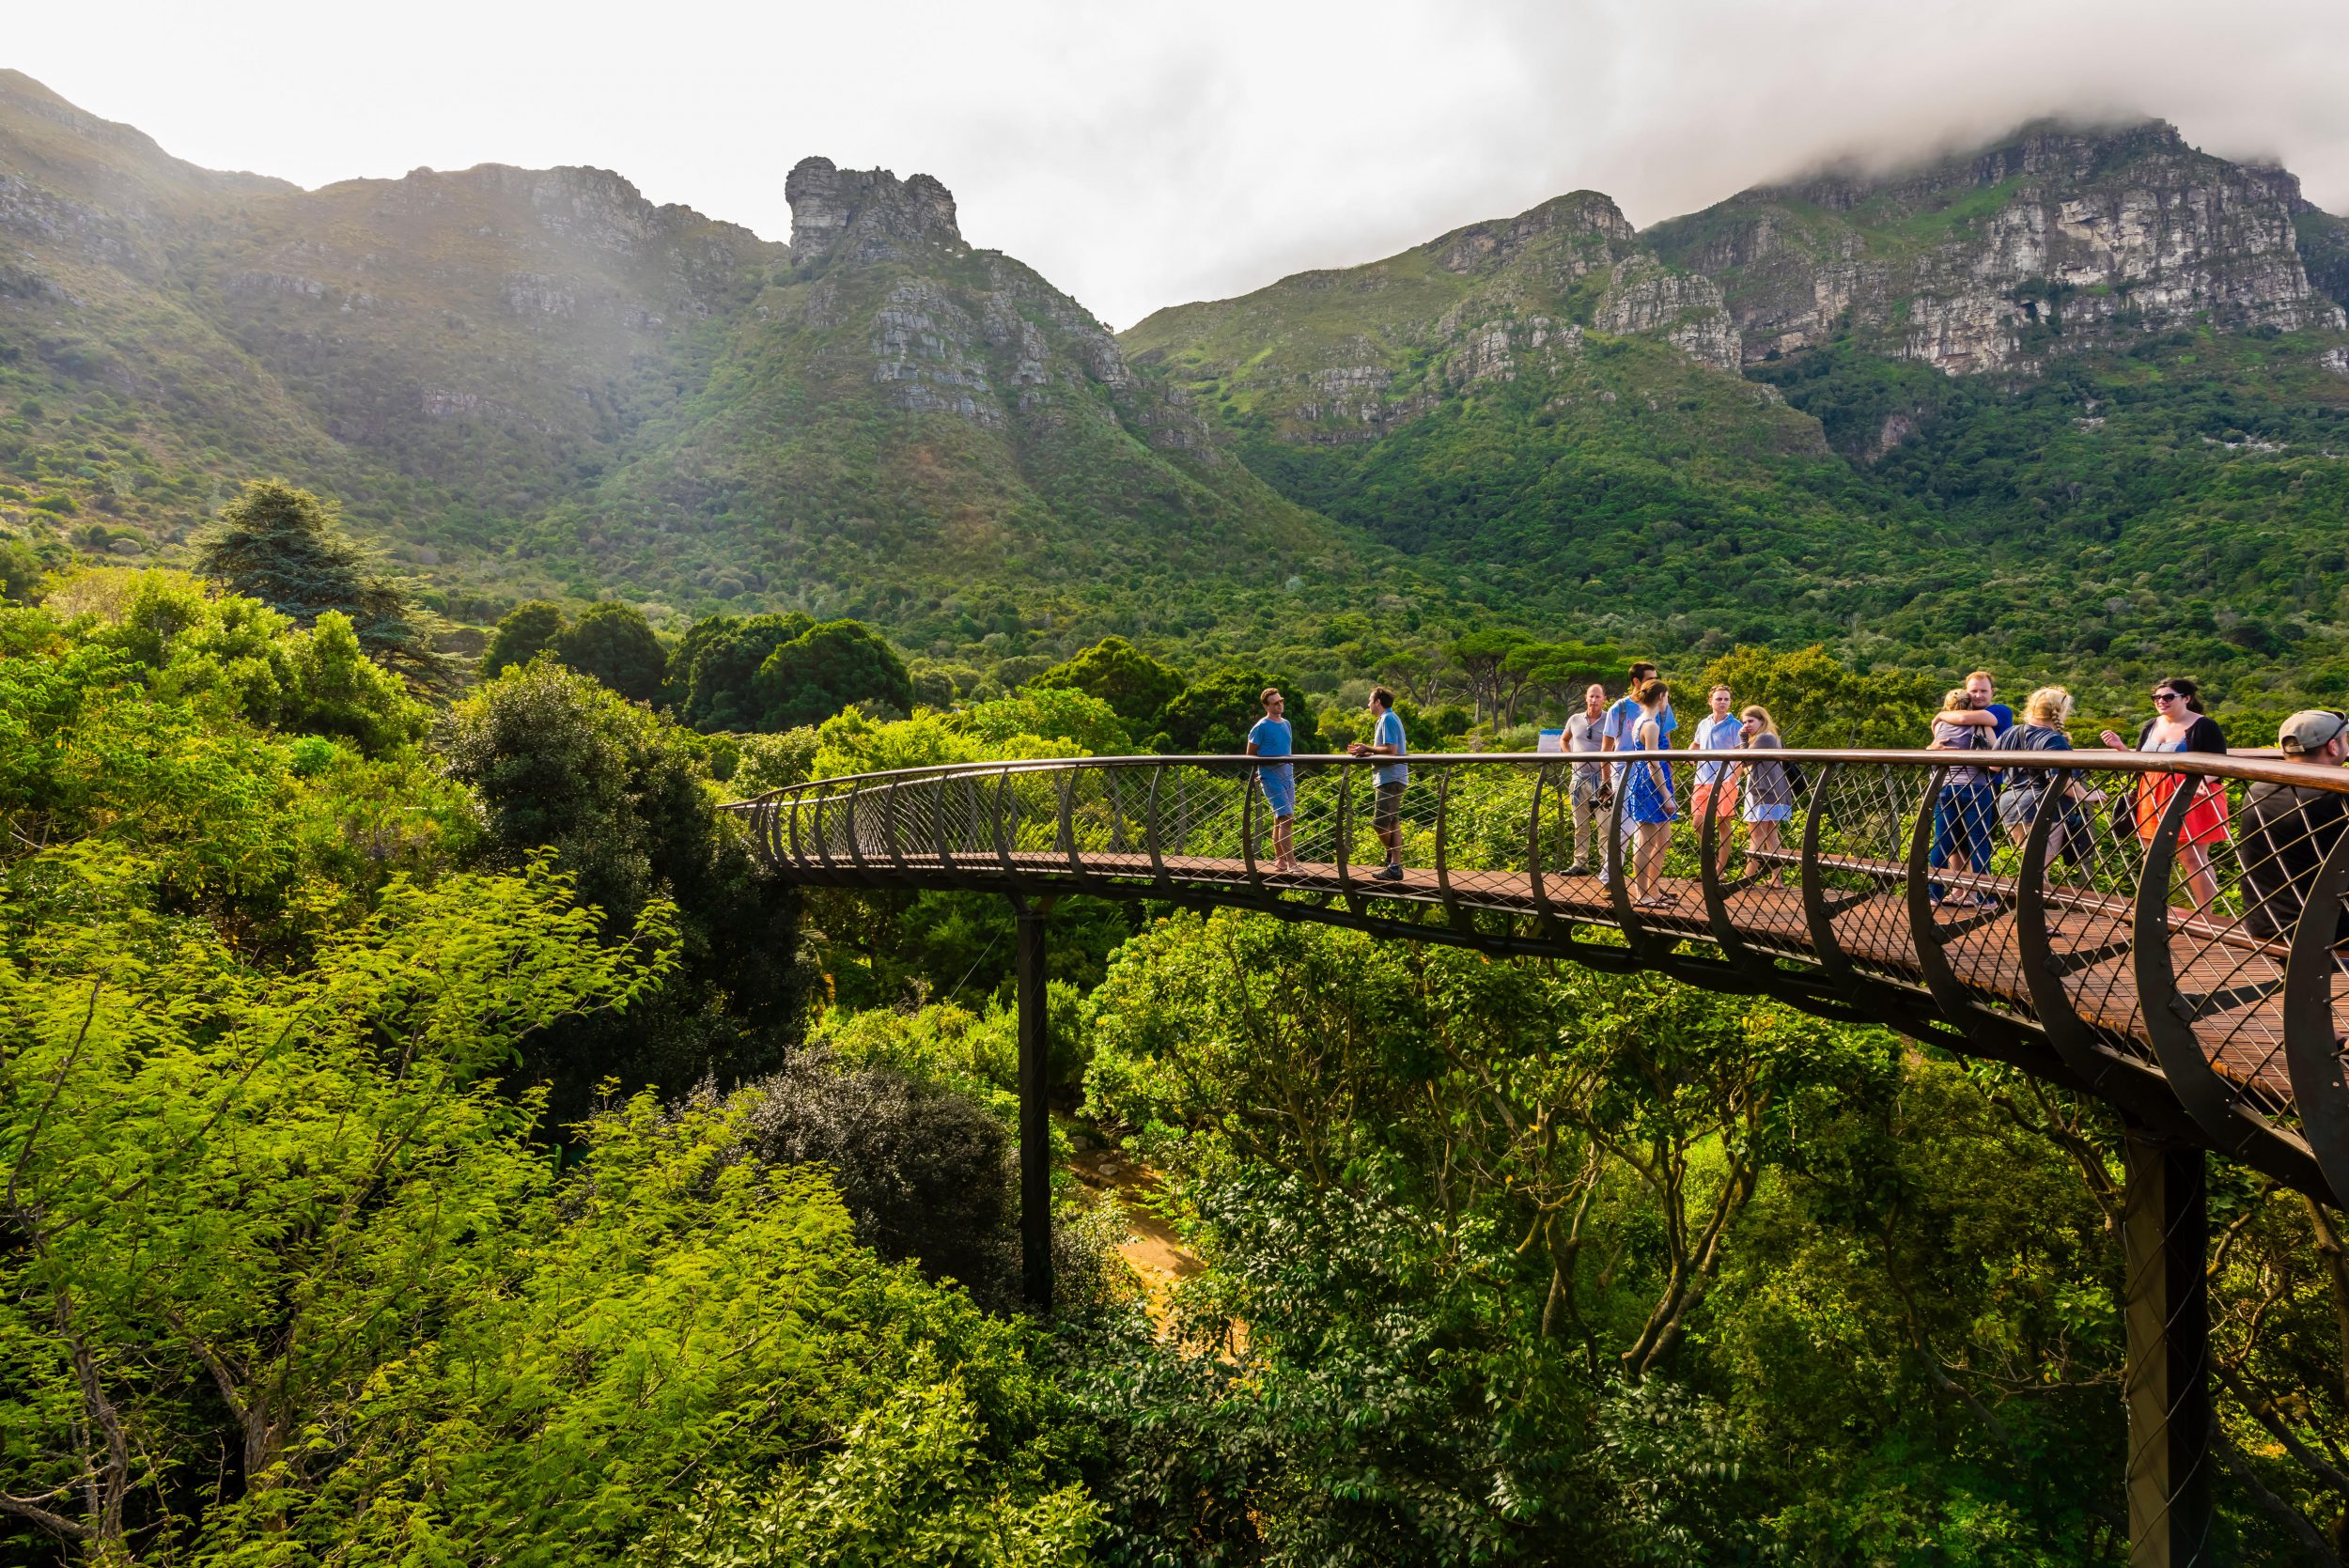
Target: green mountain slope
[1543, 407]
[2033, 397]
[536, 380]
[446, 351]
[902, 424]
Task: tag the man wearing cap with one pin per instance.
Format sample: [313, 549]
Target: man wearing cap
[2289, 829]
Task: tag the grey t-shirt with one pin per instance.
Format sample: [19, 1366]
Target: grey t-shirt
[1963, 738]
[1765, 781]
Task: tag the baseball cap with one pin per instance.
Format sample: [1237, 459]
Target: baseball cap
[2310, 730]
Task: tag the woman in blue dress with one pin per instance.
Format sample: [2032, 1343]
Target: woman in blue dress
[1647, 800]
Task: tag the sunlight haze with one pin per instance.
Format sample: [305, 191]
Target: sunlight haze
[1147, 157]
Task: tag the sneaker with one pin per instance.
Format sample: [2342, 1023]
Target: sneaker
[1391, 873]
[1581, 869]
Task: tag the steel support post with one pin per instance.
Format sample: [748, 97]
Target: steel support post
[1035, 1128]
[2165, 1237]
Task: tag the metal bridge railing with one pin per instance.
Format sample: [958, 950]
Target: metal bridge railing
[2116, 929]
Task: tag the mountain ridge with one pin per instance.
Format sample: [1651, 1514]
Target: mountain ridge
[537, 380]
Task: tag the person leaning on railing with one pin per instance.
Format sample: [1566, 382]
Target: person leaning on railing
[1769, 794]
[2289, 829]
[1386, 817]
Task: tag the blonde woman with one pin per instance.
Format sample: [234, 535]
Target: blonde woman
[2044, 728]
[1769, 795]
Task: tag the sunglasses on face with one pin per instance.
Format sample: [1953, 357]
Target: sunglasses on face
[2165, 696]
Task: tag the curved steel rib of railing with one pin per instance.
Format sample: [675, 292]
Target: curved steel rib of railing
[2161, 958]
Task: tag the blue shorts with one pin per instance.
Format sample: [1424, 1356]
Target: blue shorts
[1769, 813]
[1280, 788]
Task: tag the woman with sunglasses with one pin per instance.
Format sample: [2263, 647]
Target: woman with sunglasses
[2178, 725]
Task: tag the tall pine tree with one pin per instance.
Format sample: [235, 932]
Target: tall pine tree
[286, 548]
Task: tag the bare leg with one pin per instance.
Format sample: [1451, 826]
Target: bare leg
[1654, 839]
[2199, 878]
[1761, 839]
[1283, 859]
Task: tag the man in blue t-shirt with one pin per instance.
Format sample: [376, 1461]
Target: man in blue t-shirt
[1982, 688]
[1268, 737]
[1623, 720]
[1386, 741]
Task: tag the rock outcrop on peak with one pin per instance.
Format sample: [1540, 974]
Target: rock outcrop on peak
[2049, 239]
[865, 214]
[1578, 216]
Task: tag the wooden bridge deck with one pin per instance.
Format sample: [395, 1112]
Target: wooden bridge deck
[2244, 1043]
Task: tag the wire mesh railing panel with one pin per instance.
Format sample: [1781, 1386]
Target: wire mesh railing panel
[2227, 949]
[1104, 837]
[2093, 862]
[1866, 819]
[1202, 811]
[1974, 870]
[1757, 851]
[1567, 843]
[1484, 837]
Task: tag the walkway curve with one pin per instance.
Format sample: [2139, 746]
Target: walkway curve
[2090, 948]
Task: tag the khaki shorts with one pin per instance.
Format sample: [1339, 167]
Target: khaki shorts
[1386, 814]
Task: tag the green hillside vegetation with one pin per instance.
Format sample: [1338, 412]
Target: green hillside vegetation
[532, 384]
[790, 478]
[2180, 503]
[1630, 494]
[424, 1133]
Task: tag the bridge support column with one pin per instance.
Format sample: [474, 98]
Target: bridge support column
[2165, 1237]
[1036, 1127]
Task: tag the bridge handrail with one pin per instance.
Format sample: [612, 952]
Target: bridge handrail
[2250, 768]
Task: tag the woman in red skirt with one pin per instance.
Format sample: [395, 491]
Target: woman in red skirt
[2178, 725]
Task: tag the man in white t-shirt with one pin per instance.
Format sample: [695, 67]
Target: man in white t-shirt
[1585, 731]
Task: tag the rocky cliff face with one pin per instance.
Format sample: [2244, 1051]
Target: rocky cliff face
[865, 214]
[947, 330]
[2058, 237]
[896, 402]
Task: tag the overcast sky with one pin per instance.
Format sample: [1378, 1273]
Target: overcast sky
[1142, 155]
